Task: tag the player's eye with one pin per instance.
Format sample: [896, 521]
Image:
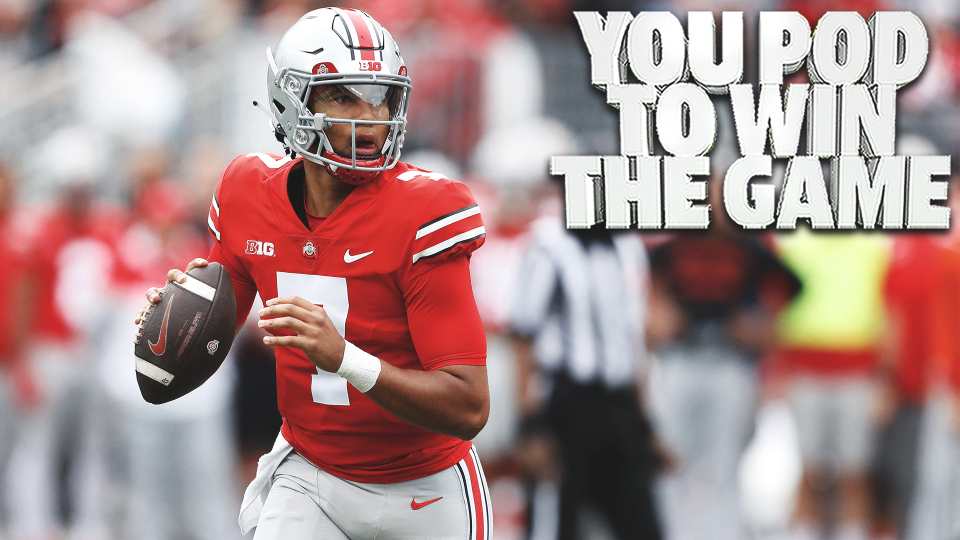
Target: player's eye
[336, 94]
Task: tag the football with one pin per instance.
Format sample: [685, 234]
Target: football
[183, 339]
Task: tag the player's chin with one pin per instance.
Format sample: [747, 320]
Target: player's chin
[366, 153]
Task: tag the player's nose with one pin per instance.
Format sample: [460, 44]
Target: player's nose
[372, 112]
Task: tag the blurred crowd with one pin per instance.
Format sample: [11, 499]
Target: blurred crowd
[717, 385]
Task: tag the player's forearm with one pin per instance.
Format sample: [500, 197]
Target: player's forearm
[453, 400]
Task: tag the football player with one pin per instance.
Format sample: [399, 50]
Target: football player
[363, 262]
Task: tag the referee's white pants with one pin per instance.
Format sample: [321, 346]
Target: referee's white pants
[308, 503]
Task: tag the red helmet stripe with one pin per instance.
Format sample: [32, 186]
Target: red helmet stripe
[364, 34]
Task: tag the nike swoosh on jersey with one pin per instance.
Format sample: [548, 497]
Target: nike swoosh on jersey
[416, 506]
[348, 258]
[161, 344]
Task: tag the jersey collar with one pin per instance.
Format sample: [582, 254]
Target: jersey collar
[355, 205]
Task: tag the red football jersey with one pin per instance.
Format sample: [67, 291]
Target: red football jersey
[369, 265]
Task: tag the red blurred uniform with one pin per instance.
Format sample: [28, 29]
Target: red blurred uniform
[947, 320]
[57, 230]
[922, 289]
[13, 279]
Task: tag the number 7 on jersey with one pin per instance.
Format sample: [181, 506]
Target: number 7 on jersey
[331, 294]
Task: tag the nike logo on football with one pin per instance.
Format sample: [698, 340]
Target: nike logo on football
[161, 344]
[348, 258]
[416, 506]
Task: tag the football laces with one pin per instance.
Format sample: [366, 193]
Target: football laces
[146, 316]
[140, 325]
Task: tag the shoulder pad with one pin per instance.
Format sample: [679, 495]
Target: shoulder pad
[239, 173]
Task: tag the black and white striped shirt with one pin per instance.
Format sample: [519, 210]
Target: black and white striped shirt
[584, 303]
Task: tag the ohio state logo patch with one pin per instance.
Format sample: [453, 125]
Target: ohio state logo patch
[324, 68]
[212, 346]
[309, 250]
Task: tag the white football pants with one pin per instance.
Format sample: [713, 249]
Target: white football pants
[307, 503]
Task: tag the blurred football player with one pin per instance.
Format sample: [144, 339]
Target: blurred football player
[70, 244]
[18, 387]
[831, 337]
[713, 301]
[363, 262]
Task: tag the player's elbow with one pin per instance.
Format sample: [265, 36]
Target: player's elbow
[474, 419]
[471, 401]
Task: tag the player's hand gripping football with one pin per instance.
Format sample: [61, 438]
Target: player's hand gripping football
[315, 333]
[153, 293]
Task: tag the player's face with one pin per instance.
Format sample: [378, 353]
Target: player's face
[356, 102]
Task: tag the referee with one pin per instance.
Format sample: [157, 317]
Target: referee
[578, 336]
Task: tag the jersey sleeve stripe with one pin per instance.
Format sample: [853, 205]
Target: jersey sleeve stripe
[447, 219]
[461, 238]
[213, 229]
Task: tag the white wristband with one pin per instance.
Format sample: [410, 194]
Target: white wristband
[359, 368]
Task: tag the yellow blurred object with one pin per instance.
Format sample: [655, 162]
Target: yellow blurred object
[841, 305]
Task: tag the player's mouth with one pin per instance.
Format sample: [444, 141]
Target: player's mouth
[367, 145]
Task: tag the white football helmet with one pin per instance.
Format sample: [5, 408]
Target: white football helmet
[329, 51]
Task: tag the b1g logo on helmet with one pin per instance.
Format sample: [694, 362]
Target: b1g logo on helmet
[256, 247]
[309, 250]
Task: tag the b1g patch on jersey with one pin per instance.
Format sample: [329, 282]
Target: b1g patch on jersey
[257, 247]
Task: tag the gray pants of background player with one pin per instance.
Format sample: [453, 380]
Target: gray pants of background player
[835, 427]
[707, 400]
[9, 416]
[934, 512]
[181, 477]
[307, 503]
